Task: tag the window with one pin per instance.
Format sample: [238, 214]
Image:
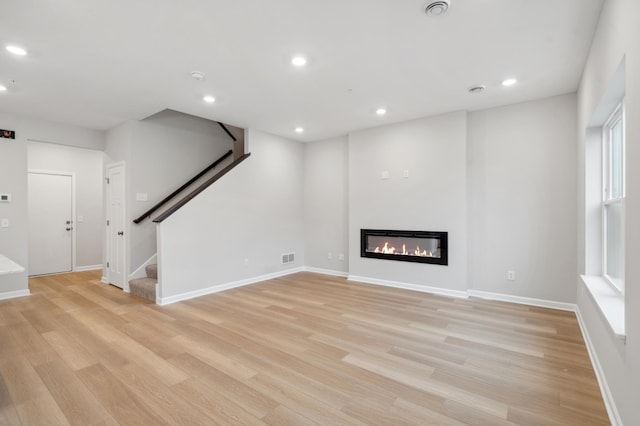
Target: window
[613, 193]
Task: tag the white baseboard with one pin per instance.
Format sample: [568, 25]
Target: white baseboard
[408, 286]
[326, 271]
[162, 301]
[522, 300]
[14, 294]
[140, 272]
[609, 402]
[87, 268]
[104, 280]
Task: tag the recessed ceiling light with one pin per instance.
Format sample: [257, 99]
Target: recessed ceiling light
[509, 82]
[17, 50]
[209, 99]
[2, 88]
[381, 111]
[436, 8]
[299, 61]
[299, 130]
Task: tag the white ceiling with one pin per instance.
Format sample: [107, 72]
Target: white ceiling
[98, 63]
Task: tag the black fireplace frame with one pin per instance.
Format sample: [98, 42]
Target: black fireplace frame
[442, 236]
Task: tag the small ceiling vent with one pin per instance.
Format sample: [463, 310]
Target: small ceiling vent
[477, 89]
[436, 8]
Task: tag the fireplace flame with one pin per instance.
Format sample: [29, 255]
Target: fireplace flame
[392, 250]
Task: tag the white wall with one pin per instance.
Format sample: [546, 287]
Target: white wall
[433, 198]
[87, 164]
[522, 199]
[160, 153]
[617, 37]
[13, 179]
[167, 150]
[255, 212]
[326, 209]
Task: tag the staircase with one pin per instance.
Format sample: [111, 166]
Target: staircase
[146, 287]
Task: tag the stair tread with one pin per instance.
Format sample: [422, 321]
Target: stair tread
[152, 270]
[143, 281]
[144, 287]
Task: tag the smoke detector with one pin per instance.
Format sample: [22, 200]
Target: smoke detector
[197, 75]
[437, 8]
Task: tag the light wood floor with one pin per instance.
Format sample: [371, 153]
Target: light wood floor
[301, 350]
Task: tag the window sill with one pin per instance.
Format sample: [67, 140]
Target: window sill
[609, 301]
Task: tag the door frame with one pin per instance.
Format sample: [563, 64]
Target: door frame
[73, 206]
[125, 266]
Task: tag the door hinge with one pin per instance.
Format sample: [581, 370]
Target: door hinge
[107, 179]
[107, 223]
[107, 264]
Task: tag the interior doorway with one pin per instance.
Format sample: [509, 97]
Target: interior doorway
[51, 197]
[116, 226]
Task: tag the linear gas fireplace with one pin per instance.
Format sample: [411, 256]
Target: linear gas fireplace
[406, 246]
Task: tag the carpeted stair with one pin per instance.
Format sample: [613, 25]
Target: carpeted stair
[146, 287]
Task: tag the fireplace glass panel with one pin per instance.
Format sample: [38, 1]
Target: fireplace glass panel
[407, 246]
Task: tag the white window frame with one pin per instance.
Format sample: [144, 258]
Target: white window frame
[607, 178]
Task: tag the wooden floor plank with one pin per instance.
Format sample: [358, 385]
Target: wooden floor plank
[304, 349]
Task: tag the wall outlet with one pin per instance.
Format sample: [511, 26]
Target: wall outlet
[405, 174]
[341, 256]
[385, 174]
[4, 223]
[511, 275]
[329, 255]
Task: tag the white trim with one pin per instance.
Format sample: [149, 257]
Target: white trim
[609, 302]
[607, 396]
[326, 271]
[407, 286]
[522, 300]
[162, 301]
[87, 268]
[141, 272]
[14, 294]
[104, 279]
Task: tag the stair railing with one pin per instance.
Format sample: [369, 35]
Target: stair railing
[169, 197]
[200, 188]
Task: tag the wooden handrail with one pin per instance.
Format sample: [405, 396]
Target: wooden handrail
[201, 188]
[168, 198]
[227, 130]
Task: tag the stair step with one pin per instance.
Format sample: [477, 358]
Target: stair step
[144, 287]
[152, 270]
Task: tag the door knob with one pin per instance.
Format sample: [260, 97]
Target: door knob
[121, 233]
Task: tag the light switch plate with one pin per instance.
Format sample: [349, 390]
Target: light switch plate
[4, 223]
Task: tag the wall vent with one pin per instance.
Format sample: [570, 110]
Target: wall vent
[288, 258]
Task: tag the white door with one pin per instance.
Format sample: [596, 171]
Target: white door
[116, 247]
[50, 203]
